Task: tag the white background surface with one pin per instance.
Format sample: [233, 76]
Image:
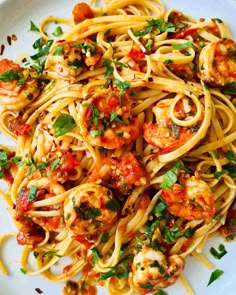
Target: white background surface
[15, 16]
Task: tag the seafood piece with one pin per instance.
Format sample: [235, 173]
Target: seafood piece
[217, 63]
[18, 87]
[39, 190]
[81, 11]
[151, 268]
[190, 199]
[90, 209]
[121, 175]
[106, 122]
[70, 58]
[164, 133]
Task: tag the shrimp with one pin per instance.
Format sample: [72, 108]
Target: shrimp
[191, 199]
[82, 11]
[38, 190]
[106, 122]
[151, 268]
[217, 63]
[17, 85]
[121, 175]
[165, 134]
[90, 209]
[69, 59]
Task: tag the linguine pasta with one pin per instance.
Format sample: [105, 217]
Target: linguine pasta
[125, 129]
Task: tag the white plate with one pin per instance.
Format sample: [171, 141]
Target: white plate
[15, 16]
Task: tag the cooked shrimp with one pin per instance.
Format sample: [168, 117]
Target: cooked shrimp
[151, 268]
[43, 189]
[165, 134]
[69, 59]
[191, 199]
[217, 62]
[90, 209]
[17, 87]
[82, 11]
[107, 122]
[121, 175]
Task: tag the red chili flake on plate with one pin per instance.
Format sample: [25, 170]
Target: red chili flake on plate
[13, 37]
[2, 49]
[9, 40]
[39, 291]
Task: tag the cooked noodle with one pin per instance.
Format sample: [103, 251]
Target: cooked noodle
[125, 145]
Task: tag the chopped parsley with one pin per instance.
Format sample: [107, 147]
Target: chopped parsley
[55, 164]
[183, 45]
[218, 254]
[95, 113]
[169, 61]
[160, 292]
[231, 156]
[112, 205]
[50, 255]
[5, 162]
[59, 50]
[63, 124]
[218, 174]
[229, 88]
[105, 237]
[174, 129]
[32, 193]
[218, 20]
[95, 133]
[121, 270]
[57, 32]
[85, 212]
[170, 178]
[147, 286]
[96, 255]
[10, 76]
[215, 275]
[148, 45]
[161, 206]
[43, 50]
[33, 27]
[23, 271]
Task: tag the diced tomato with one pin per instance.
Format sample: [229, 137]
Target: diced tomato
[186, 244]
[184, 33]
[7, 176]
[136, 55]
[131, 169]
[82, 241]
[22, 203]
[144, 201]
[108, 104]
[69, 162]
[18, 126]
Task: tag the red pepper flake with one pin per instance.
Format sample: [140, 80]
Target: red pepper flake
[9, 40]
[2, 49]
[13, 37]
[39, 291]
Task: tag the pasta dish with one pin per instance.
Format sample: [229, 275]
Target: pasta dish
[124, 124]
